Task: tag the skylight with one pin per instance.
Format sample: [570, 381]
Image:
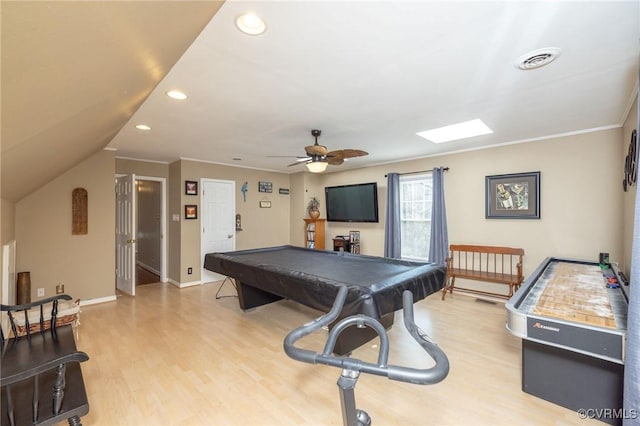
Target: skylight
[454, 132]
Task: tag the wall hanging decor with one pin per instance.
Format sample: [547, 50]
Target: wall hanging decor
[244, 189]
[631, 163]
[265, 187]
[79, 212]
[265, 204]
[513, 196]
[190, 187]
[190, 212]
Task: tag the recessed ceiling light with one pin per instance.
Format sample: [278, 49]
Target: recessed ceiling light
[176, 94]
[251, 24]
[143, 127]
[538, 58]
[455, 132]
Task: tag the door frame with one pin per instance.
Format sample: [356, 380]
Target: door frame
[163, 219]
[163, 223]
[202, 216]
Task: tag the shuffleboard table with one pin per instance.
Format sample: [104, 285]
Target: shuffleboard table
[313, 277]
[573, 320]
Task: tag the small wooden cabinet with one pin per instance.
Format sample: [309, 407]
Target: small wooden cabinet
[314, 233]
[340, 243]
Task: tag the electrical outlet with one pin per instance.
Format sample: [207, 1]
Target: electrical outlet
[189, 271]
[60, 288]
[40, 292]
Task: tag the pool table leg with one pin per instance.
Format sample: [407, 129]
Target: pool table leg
[252, 297]
[354, 337]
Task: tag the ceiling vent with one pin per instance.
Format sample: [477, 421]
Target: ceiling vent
[538, 58]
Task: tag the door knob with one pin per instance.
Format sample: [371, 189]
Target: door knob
[229, 236]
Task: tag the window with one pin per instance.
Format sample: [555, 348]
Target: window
[415, 215]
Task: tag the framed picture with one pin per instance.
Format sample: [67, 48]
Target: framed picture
[265, 186]
[513, 196]
[190, 212]
[190, 187]
[265, 204]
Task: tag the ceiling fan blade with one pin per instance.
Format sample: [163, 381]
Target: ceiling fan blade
[351, 153]
[300, 161]
[306, 157]
[335, 158]
[320, 150]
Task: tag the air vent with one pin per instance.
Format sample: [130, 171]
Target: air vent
[538, 58]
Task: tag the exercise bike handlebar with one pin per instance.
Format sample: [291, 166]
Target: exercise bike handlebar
[427, 376]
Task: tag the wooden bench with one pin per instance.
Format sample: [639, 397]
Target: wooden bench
[40, 377]
[501, 265]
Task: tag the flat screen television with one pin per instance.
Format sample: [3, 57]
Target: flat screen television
[352, 203]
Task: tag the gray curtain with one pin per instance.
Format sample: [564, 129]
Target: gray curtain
[632, 360]
[392, 224]
[439, 245]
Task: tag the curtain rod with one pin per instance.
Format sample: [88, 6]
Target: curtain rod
[419, 172]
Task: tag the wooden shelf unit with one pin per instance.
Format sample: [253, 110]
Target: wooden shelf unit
[314, 233]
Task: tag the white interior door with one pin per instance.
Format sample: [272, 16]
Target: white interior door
[125, 234]
[218, 212]
[8, 281]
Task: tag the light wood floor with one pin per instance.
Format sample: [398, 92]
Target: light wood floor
[174, 356]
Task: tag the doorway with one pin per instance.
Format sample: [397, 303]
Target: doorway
[218, 212]
[149, 234]
[140, 230]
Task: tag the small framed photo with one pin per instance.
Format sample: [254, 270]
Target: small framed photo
[190, 187]
[513, 196]
[190, 211]
[265, 204]
[265, 186]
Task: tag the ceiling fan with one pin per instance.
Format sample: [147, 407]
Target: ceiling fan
[318, 156]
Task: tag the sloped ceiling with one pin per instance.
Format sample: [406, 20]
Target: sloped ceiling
[78, 76]
[73, 73]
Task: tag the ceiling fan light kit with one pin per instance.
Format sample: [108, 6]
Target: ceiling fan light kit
[319, 157]
[317, 166]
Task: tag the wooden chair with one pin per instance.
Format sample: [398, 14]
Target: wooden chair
[40, 377]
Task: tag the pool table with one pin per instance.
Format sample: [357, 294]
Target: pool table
[313, 277]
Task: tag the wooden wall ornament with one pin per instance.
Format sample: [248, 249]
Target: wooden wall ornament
[79, 212]
[631, 163]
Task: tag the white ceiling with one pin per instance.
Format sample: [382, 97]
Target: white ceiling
[372, 74]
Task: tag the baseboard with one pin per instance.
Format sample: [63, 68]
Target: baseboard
[480, 295]
[184, 285]
[87, 302]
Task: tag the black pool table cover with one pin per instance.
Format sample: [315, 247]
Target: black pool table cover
[313, 277]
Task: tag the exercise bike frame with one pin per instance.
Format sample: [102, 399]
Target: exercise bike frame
[351, 367]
